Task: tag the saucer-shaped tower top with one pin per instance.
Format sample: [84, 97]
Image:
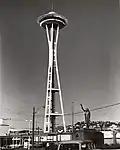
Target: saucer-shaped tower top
[52, 17]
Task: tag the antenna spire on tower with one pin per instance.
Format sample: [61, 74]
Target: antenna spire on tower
[52, 7]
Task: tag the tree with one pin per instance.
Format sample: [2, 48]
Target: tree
[101, 124]
[114, 130]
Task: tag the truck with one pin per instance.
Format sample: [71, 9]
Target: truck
[73, 145]
[76, 145]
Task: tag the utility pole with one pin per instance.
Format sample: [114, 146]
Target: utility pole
[36, 124]
[38, 134]
[33, 126]
[72, 116]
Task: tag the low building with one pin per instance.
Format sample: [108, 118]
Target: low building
[5, 141]
[108, 137]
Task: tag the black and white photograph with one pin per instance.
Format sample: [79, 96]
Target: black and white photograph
[59, 74]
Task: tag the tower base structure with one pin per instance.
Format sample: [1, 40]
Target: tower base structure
[52, 23]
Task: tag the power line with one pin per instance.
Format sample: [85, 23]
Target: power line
[103, 107]
[80, 112]
[75, 113]
[106, 106]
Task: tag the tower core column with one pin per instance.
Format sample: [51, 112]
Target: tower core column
[52, 23]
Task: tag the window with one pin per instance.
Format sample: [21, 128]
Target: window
[71, 146]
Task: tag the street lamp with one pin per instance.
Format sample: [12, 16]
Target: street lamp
[29, 121]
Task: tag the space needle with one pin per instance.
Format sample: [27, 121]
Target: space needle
[52, 22]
